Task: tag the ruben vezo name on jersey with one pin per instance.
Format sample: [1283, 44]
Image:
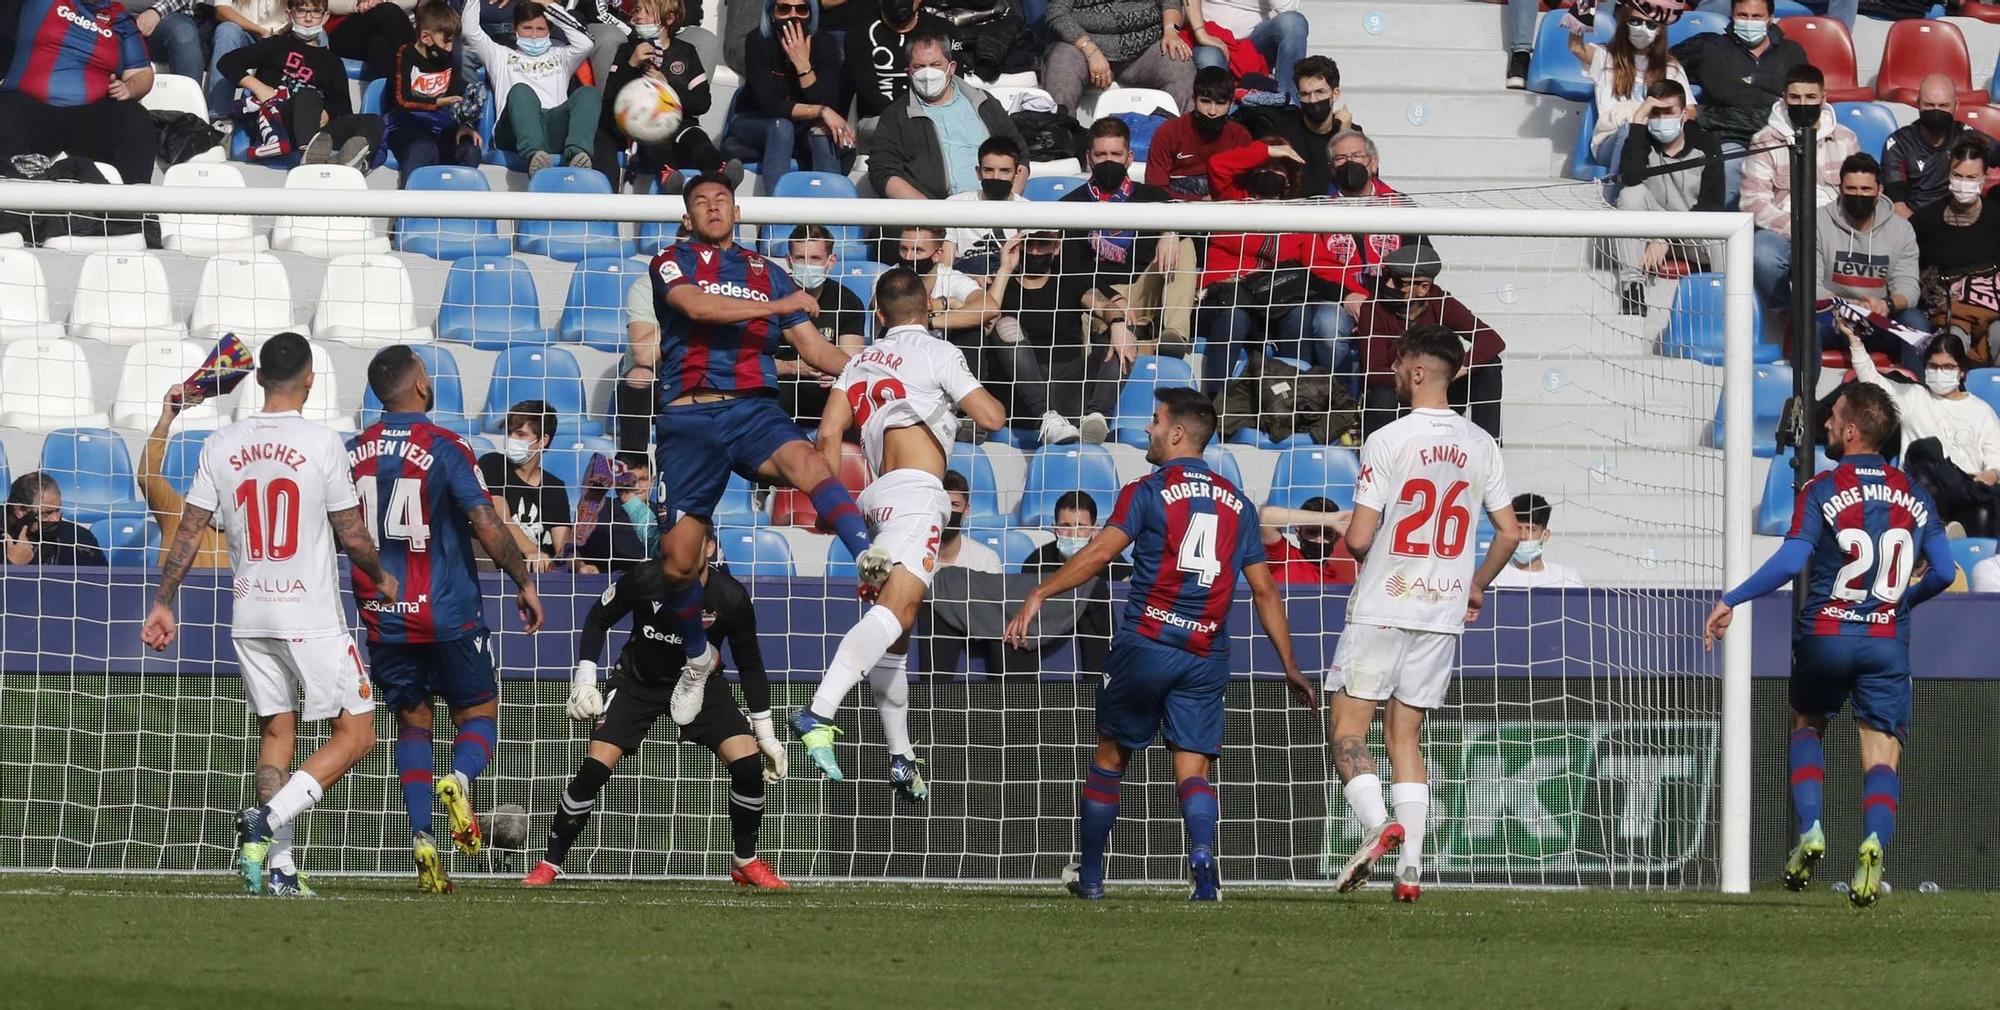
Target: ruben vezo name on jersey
[1199, 486]
[1877, 492]
[267, 452]
[416, 455]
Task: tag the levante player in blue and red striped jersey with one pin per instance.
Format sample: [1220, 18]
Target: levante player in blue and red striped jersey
[425, 503]
[1863, 527]
[1192, 533]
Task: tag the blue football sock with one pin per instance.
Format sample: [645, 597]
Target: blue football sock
[413, 764]
[1808, 775]
[1880, 790]
[837, 512]
[472, 749]
[1199, 810]
[1096, 813]
[684, 601]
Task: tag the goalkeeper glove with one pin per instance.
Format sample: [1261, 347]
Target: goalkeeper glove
[775, 764]
[585, 703]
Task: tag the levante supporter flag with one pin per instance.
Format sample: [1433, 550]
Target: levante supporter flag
[226, 366]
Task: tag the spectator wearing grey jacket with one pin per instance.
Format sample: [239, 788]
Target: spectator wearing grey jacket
[1868, 255]
[1135, 43]
[926, 147]
[1662, 135]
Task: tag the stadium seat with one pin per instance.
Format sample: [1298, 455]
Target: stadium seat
[491, 303]
[738, 505]
[756, 553]
[129, 541]
[322, 403]
[1872, 123]
[177, 464]
[149, 370]
[124, 298]
[239, 150]
[45, 385]
[1970, 551]
[448, 238]
[1256, 437]
[1135, 397]
[1984, 118]
[95, 473]
[549, 374]
[1016, 546]
[1918, 49]
[175, 93]
[792, 507]
[1096, 105]
[249, 295]
[859, 277]
[983, 500]
[568, 457]
[594, 311]
[569, 241]
[24, 299]
[1774, 511]
[1583, 163]
[1552, 70]
[1051, 187]
[1829, 47]
[1695, 23]
[6, 474]
[1056, 470]
[366, 300]
[1985, 384]
[210, 234]
[447, 390]
[1769, 390]
[1219, 459]
[1695, 325]
[1305, 472]
[327, 237]
[1142, 126]
[1987, 12]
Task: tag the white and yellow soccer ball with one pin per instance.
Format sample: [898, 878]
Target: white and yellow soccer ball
[648, 111]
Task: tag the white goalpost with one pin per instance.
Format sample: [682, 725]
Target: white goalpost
[1589, 740]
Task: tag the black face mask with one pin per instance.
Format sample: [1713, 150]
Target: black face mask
[1107, 174]
[922, 266]
[996, 189]
[953, 526]
[1936, 122]
[1040, 263]
[1352, 178]
[1209, 126]
[1803, 116]
[1314, 550]
[1266, 184]
[1316, 112]
[1858, 208]
[898, 12]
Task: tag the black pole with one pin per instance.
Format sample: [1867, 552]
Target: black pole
[1804, 321]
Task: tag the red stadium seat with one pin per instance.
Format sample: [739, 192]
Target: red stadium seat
[1984, 118]
[1987, 12]
[1918, 49]
[1829, 47]
[792, 507]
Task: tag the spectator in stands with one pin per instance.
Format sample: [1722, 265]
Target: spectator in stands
[1767, 175]
[1914, 166]
[613, 24]
[1242, 305]
[1151, 273]
[1958, 249]
[172, 37]
[1528, 568]
[842, 320]
[660, 50]
[1273, 29]
[632, 398]
[426, 94]
[1867, 254]
[1669, 136]
[163, 501]
[1842, 11]
[1740, 74]
[238, 23]
[955, 550]
[1352, 147]
[371, 31]
[37, 534]
[878, 54]
[1951, 439]
[791, 101]
[1310, 125]
[1406, 297]
[1075, 524]
[1636, 59]
[628, 531]
[927, 147]
[960, 308]
[1134, 43]
[1347, 261]
[1518, 36]
[79, 71]
[539, 116]
[318, 113]
[1316, 554]
[1178, 158]
[1003, 170]
[534, 501]
[1042, 349]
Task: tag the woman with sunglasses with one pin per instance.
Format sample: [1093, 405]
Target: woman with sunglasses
[1635, 60]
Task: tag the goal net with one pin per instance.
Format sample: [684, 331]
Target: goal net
[1588, 740]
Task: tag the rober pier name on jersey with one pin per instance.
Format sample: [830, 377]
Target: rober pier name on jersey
[1198, 486]
[386, 445]
[1877, 492]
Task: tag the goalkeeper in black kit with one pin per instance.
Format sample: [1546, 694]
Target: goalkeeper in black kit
[640, 690]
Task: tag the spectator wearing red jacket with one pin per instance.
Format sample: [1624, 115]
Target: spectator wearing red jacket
[1348, 261]
[1406, 295]
[1178, 159]
[1320, 555]
[1237, 311]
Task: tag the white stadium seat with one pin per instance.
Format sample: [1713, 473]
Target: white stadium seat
[124, 298]
[321, 402]
[174, 93]
[367, 301]
[245, 295]
[24, 299]
[209, 234]
[327, 237]
[149, 369]
[1099, 104]
[45, 385]
[83, 244]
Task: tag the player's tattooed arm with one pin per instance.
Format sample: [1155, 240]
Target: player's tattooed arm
[350, 531]
[491, 530]
[1351, 757]
[180, 553]
[270, 779]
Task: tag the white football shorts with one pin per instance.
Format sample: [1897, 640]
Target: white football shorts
[326, 671]
[906, 510]
[1374, 663]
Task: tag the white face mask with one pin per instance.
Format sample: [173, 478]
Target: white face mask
[1941, 381]
[1642, 38]
[310, 33]
[1751, 32]
[1964, 191]
[518, 450]
[929, 82]
[1527, 552]
[809, 275]
[1068, 546]
[646, 31]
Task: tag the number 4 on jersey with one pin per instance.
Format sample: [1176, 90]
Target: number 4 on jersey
[405, 520]
[1199, 556]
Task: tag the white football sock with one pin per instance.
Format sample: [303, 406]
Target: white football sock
[281, 847]
[892, 699]
[1364, 797]
[860, 649]
[295, 798]
[1413, 806]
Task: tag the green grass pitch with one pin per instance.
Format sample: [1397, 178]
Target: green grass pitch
[126, 942]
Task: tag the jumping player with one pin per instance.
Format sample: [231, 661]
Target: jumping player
[1421, 476]
[641, 687]
[278, 486]
[1861, 527]
[902, 391]
[1192, 532]
[722, 310]
[425, 503]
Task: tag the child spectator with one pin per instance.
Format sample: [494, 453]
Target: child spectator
[426, 125]
[539, 116]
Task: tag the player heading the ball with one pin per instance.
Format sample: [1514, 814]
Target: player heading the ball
[277, 485]
[1421, 476]
[1860, 529]
[1192, 533]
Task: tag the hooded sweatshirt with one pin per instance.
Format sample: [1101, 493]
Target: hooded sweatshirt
[506, 66]
[1875, 260]
[1767, 175]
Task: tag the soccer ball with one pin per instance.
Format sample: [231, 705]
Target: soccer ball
[648, 111]
[507, 826]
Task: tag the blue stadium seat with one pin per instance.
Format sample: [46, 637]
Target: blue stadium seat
[1872, 123]
[756, 553]
[373, 95]
[183, 454]
[1552, 70]
[239, 150]
[1219, 459]
[1257, 437]
[738, 505]
[1695, 327]
[131, 541]
[1969, 551]
[1135, 397]
[1016, 546]
[1985, 384]
[569, 456]
[1695, 23]
[1789, 9]
[1142, 126]
[446, 387]
[594, 312]
[94, 471]
[450, 238]
[491, 303]
[859, 277]
[1314, 471]
[1771, 387]
[1025, 439]
[1056, 470]
[1583, 163]
[849, 241]
[1051, 187]
[570, 241]
[6, 475]
[549, 374]
[354, 68]
[983, 501]
[815, 185]
[1774, 510]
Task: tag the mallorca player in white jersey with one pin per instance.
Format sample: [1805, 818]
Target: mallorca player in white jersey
[277, 485]
[904, 391]
[1421, 479]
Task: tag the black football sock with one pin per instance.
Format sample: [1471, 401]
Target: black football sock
[573, 808]
[746, 804]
